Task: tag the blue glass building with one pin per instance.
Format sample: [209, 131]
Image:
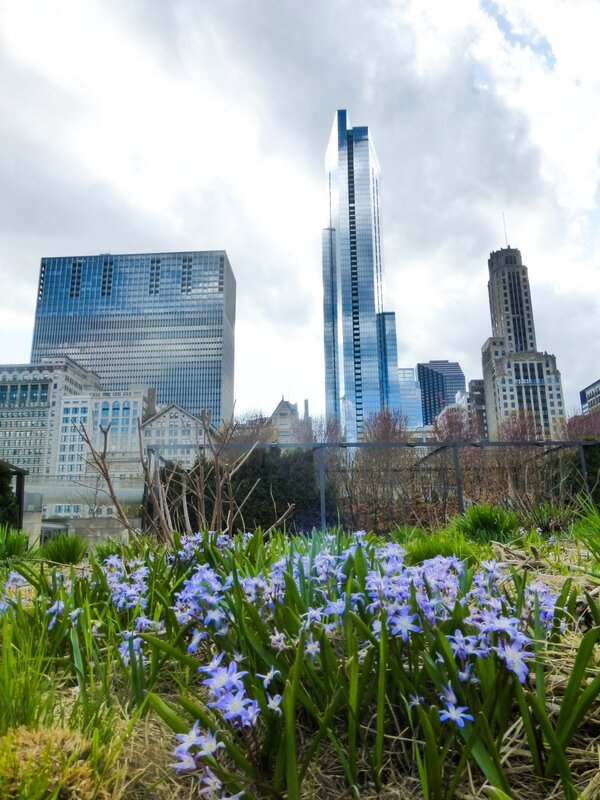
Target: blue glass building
[410, 398]
[361, 363]
[440, 381]
[161, 320]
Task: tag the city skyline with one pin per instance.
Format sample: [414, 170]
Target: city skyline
[198, 134]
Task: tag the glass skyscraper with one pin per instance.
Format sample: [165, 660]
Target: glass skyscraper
[361, 363]
[161, 320]
[440, 381]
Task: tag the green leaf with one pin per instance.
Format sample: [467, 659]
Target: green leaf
[557, 755]
[431, 758]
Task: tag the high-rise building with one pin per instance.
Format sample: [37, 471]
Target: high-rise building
[410, 398]
[519, 380]
[440, 381]
[30, 410]
[590, 397]
[161, 320]
[361, 364]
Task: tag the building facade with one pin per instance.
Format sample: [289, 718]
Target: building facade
[519, 381]
[174, 436]
[30, 410]
[361, 365]
[440, 381]
[163, 320]
[590, 397]
[410, 398]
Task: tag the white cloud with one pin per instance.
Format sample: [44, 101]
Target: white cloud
[147, 125]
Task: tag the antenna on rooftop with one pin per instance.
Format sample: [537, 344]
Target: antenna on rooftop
[504, 223]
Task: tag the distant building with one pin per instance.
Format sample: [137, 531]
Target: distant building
[174, 436]
[164, 320]
[75, 487]
[439, 381]
[118, 414]
[519, 380]
[590, 396]
[410, 398]
[30, 410]
[476, 403]
[361, 363]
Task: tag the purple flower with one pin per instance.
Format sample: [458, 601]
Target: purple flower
[268, 677]
[456, 714]
[402, 622]
[223, 679]
[55, 611]
[274, 703]
[186, 762]
[515, 659]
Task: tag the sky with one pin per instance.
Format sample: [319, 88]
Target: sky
[158, 125]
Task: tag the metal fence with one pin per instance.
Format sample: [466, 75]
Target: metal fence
[382, 485]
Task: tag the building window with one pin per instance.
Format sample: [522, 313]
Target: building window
[75, 284]
[107, 278]
[154, 276]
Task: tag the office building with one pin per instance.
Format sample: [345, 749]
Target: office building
[361, 364]
[440, 381]
[30, 403]
[410, 398]
[174, 436]
[118, 414]
[161, 320]
[590, 397]
[519, 381]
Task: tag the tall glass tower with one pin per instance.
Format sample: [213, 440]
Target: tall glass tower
[361, 363]
[162, 320]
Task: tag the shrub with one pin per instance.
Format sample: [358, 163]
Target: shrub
[107, 548]
[487, 523]
[443, 543]
[66, 548]
[587, 528]
[13, 543]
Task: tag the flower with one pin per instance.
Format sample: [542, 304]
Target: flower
[186, 762]
[456, 714]
[268, 677]
[223, 679]
[273, 704]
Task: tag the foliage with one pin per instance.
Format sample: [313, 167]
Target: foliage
[66, 548]
[9, 511]
[550, 518]
[446, 542]
[270, 657]
[487, 523]
[587, 528]
[13, 543]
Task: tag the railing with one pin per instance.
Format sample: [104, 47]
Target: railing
[378, 485]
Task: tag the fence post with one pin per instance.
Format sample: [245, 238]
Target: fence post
[321, 459]
[458, 479]
[584, 472]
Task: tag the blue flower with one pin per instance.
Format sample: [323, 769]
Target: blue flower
[456, 714]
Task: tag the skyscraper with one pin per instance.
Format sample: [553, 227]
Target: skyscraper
[440, 381]
[361, 363]
[410, 398]
[162, 320]
[518, 379]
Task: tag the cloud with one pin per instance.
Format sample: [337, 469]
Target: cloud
[150, 125]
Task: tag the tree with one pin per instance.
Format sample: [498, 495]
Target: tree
[9, 509]
[371, 479]
[584, 426]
